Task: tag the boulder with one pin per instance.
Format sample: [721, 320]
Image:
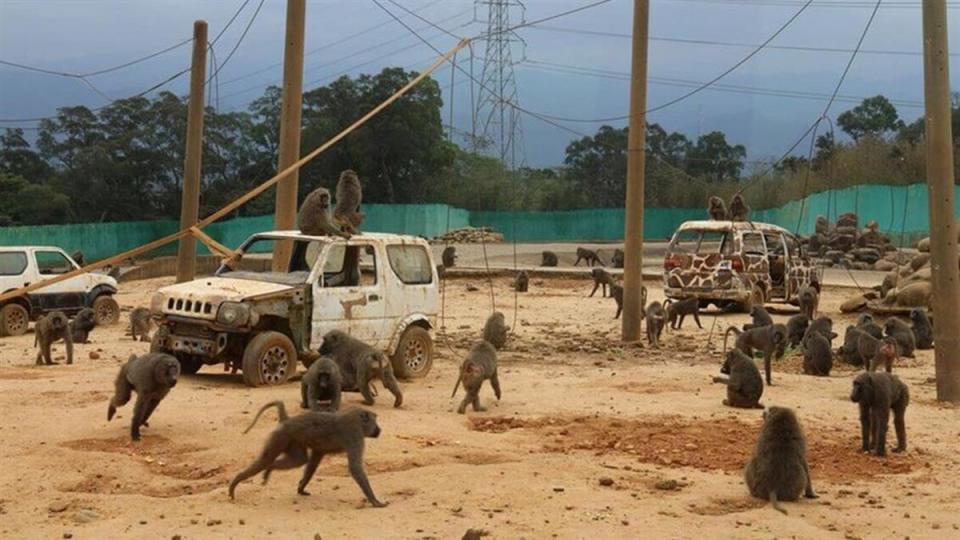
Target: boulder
[916, 294]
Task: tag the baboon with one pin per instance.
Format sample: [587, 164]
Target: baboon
[865, 323]
[151, 376]
[744, 384]
[549, 258]
[349, 195]
[902, 332]
[616, 292]
[495, 330]
[82, 324]
[817, 356]
[50, 328]
[294, 455]
[739, 211]
[678, 311]
[809, 300]
[877, 394]
[796, 328]
[140, 322]
[771, 340]
[922, 329]
[601, 278]
[867, 347]
[760, 316]
[716, 208]
[656, 319]
[522, 283]
[321, 433]
[824, 327]
[850, 351]
[322, 382]
[77, 257]
[617, 259]
[112, 271]
[588, 255]
[887, 352]
[315, 219]
[449, 257]
[359, 364]
[479, 365]
[778, 470]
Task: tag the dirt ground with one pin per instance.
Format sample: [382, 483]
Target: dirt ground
[591, 439]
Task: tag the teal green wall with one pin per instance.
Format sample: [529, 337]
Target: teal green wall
[895, 208]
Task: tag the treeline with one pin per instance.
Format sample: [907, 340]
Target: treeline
[125, 161]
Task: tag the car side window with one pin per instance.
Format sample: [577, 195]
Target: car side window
[774, 244]
[13, 263]
[411, 264]
[350, 266]
[792, 247]
[753, 244]
[52, 263]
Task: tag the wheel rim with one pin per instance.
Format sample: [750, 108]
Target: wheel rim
[15, 321]
[415, 356]
[104, 312]
[274, 365]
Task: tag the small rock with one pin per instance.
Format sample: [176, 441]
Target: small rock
[176, 537]
[559, 489]
[317, 537]
[67, 535]
[667, 485]
[94, 355]
[606, 481]
[212, 522]
[57, 507]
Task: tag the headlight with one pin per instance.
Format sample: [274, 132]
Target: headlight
[233, 314]
[156, 303]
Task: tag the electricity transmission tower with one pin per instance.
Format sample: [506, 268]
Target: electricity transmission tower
[495, 121]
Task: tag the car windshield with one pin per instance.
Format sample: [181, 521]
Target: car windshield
[701, 242]
[254, 261]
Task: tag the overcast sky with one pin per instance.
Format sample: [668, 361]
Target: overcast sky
[355, 36]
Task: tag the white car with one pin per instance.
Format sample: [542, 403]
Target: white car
[379, 288]
[20, 266]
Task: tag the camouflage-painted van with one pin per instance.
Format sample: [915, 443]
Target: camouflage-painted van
[736, 264]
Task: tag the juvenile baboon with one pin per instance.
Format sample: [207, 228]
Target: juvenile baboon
[601, 278]
[479, 365]
[315, 219]
[809, 300]
[796, 328]
[360, 364]
[850, 352]
[778, 470]
[771, 340]
[140, 323]
[321, 433]
[817, 357]
[349, 195]
[495, 330]
[616, 292]
[549, 258]
[82, 324]
[151, 376]
[678, 311]
[716, 208]
[867, 347]
[922, 329]
[744, 385]
[50, 328]
[656, 318]
[321, 383]
[739, 211]
[902, 332]
[866, 324]
[522, 283]
[617, 259]
[887, 352]
[877, 394]
[77, 257]
[588, 255]
[760, 316]
[824, 327]
[449, 257]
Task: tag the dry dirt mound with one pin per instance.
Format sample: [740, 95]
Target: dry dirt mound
[718, 444]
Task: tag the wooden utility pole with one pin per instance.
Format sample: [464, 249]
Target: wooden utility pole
[190, 203]
[636, 158]
[940, 186]
[285, 214]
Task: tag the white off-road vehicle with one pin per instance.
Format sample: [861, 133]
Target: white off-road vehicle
[22, 265]
[379, 288]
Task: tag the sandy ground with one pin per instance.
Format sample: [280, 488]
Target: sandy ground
[591, 439]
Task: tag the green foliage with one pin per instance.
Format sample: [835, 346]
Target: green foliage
[874, 117]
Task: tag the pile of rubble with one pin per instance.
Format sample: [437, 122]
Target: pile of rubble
[470, 235]
[846, 245]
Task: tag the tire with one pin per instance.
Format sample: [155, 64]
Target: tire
[413, 357]
[14, 320]
[269, 359]
[756, 298]
[106, 310]
[188, 364]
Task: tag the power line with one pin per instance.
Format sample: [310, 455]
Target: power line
[239, 41]
[230, 22]
[99, 71]
[820, 4]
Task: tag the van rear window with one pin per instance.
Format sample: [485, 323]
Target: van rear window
[695, 242]
[13, 263]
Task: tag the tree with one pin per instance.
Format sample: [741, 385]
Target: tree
[598, 166]
[18, 159]
[715, 159]
[874, 116]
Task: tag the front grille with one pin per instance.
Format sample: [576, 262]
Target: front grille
[186, 306]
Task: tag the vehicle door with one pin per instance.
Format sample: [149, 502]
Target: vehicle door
[69, 295]
[348, 293]
[411, 286]
[800, 272]
[756, 266]
[777, 258]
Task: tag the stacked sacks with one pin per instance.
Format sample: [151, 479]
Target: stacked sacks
[845, 245]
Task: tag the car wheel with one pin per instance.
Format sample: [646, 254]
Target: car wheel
[188, 364]
[106, 310]
[269, 359]
[414, 355]
[14, 320]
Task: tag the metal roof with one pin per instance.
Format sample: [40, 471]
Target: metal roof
[714, 225]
